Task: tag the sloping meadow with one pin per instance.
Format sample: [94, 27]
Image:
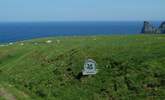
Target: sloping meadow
[129, 67]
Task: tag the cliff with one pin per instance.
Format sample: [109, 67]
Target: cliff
[162, 27]
[150, 29]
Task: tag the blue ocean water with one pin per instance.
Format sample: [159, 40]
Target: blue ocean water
[16, 31]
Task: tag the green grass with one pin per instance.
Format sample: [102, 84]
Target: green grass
[130, 67]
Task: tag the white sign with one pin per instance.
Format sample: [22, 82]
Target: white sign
[89, 67]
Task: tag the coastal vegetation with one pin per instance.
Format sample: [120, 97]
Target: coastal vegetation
[130, 67]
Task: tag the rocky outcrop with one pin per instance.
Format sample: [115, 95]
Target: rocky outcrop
[162, 27]
[150, 29]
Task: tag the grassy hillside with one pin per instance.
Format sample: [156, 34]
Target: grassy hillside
[130, 67]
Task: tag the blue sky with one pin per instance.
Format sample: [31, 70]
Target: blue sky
[81, 10]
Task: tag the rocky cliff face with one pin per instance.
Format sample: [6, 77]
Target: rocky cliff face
[162, 27]
[148, 28]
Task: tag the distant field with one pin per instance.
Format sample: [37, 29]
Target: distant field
[130, 67]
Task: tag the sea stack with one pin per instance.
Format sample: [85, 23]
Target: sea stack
[150, 29]
[162, 27]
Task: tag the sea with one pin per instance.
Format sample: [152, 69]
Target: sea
[18, 31]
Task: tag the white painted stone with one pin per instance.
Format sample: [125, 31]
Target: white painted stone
[48, 41]
[10, 43]
[22, 44]
[89, 67]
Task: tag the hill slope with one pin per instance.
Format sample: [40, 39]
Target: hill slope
[130, 67]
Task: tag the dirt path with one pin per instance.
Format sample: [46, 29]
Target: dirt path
[6, 95]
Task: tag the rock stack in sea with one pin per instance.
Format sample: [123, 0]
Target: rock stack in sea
[150, 29]
[162, 27]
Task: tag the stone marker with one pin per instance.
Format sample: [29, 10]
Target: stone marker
[22, 44]
[89, 67]
[10, 43]
[48, 41]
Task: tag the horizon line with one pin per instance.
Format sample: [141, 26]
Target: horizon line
[84, 21]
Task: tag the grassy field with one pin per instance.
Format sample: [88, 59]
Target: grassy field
[130, 67]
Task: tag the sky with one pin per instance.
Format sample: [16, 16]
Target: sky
[81, 10]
